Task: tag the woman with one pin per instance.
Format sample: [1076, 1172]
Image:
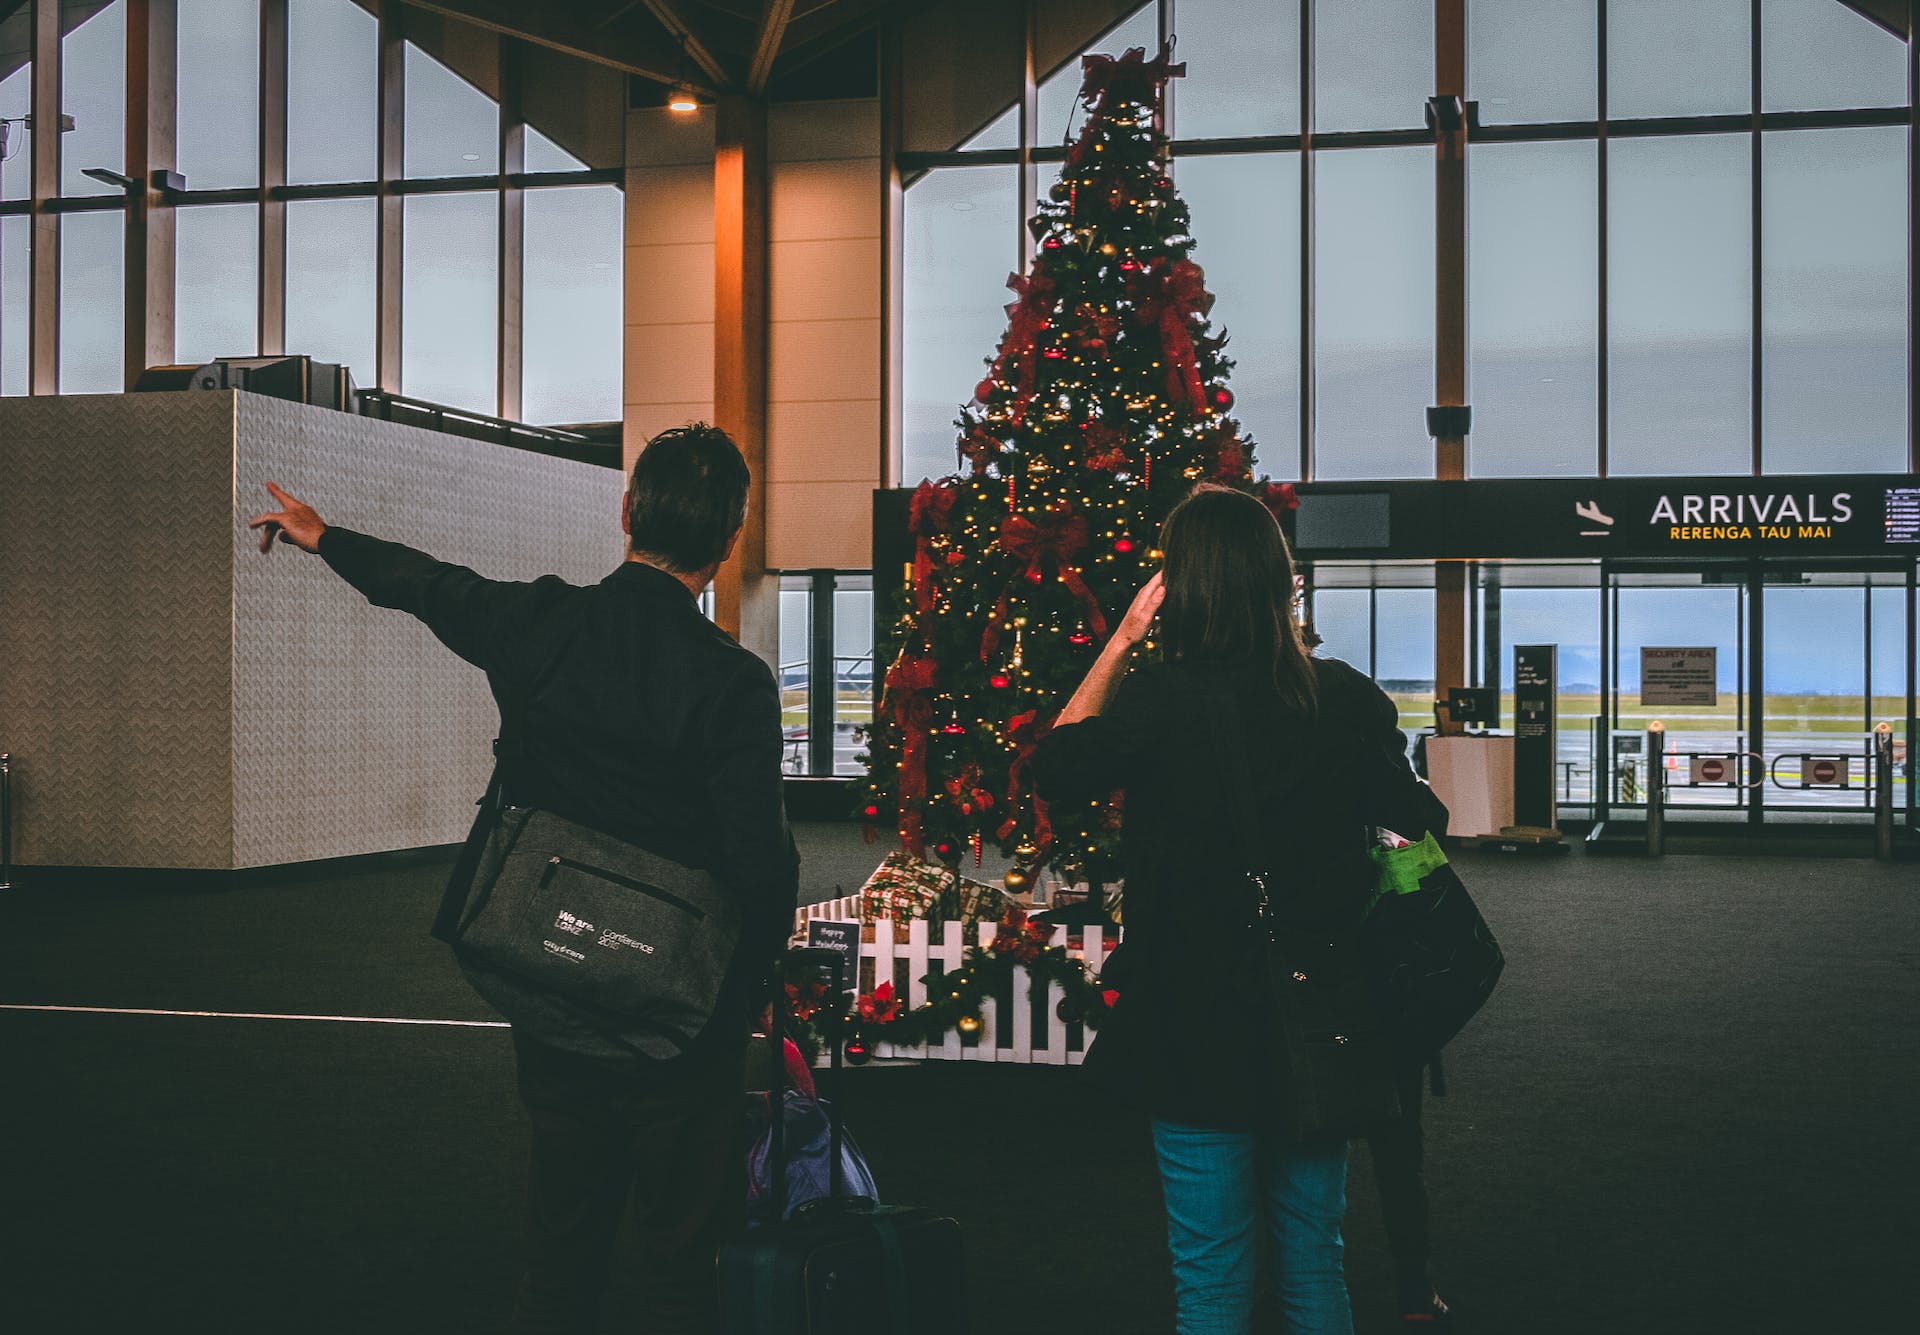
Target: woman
[1193, 1034]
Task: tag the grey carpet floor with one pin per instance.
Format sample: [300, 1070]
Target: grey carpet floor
[1688, 1109]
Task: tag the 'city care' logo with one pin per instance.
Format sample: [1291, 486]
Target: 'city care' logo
[1744, 515]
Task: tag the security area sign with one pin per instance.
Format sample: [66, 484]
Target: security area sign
[1679, 676]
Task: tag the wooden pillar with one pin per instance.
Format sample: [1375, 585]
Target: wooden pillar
[512, 265]
[391, 166]
[1451, 591]
[153, 31]
[273, 177]
[746, 597]
[43, 284]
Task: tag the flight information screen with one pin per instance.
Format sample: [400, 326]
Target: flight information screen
[1903, 514]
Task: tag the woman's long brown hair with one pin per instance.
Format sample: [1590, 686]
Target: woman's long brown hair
[1229, 582]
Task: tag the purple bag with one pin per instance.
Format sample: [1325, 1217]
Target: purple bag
[809, 1137]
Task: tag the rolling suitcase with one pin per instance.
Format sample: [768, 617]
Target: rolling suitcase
[843, 1265]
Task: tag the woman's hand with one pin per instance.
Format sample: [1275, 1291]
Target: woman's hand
[1146, 606]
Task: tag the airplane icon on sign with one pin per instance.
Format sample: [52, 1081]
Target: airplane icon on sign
[1593, 514]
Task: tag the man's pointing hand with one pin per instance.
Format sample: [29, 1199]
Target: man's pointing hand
[294, 522]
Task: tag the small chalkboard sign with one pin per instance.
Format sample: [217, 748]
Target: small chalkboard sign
[843, 938]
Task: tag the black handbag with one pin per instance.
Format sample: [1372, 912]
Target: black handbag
[570, 932]
[1437, 959]
[1339, 1057]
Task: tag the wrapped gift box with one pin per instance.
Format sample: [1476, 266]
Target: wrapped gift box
[904, 887]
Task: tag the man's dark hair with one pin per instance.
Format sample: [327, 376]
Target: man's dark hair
[687, 495]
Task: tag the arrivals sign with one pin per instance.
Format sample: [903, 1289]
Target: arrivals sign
[1670, 676]
[1692, 518]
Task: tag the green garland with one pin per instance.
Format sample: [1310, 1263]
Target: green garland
[869, 1018]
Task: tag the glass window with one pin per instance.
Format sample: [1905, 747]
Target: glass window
[1534, 254]
[1530, 61]
[960, 244]
[1667, 59]
[543, 155]
[1888, 661]
[1372, 64]
[571, 312]
[1403, 652]
[333, 92]
[1003, 133]
[1818, 55]
[15, 266]
[1373, 312]
[216, 282]
[331, 273]
[16, 159]
[1343, 619]
[219, 97]
[1058, 112]
[450, 301]
[453, 129]
[1568, 619]
[93, 89]
[1679, 305]
[1834, 300]
[852, 668]
[1246, 218]
[1243, 68]
[92, 303]
[796, 639]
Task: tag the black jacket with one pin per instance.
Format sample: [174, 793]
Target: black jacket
[1194, 1036]
[623, 709]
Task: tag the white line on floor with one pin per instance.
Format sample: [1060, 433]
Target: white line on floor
[256, 1015]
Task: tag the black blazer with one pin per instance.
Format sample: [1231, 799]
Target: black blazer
[1193, 1034]
[636, 715]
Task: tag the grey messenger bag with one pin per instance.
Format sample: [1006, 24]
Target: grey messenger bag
[561, 926]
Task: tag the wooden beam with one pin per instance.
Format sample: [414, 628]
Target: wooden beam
[153, 28]
[746, 597]
[892, 267]
[392, 98]
[43, 284]
[511, 267]
[766, 47]
[273, 177]
[697, 51]
[551, 26]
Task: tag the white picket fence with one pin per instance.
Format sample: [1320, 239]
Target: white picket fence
[1016, 1028]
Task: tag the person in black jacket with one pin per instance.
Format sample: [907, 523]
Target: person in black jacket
[1193, 1033]
[631, 713]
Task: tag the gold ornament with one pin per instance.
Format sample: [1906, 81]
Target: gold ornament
[1018, 880]
[1026, 850]
[1108, 248]
[969, 1026]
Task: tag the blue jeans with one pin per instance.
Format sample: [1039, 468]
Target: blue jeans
[1219, 1185]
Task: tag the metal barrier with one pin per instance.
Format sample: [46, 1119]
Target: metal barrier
[6, 821]
[1656, 788]
[1883, 792]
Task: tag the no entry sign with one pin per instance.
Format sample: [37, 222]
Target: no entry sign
[1714, 770]
[1823, 771]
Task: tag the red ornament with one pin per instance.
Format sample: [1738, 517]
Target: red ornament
[1129, 266]
[1080, 639]
[857, 1053]
[1123, 546]
[1222, 397]
[1051, 243]
[946, 850]
[999, 681]
[1035, 575]
[1055, 354]
[872, 812]
[954, 729]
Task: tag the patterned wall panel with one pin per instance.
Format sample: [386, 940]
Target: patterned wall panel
[115, 613]
[354, 730]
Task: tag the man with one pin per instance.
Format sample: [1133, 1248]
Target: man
[626, 710]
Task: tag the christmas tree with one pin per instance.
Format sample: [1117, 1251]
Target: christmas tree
[1103, 406]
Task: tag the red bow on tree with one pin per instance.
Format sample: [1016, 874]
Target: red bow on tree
[905, 698]
[1054, 539]
[1025, 731]
[1280, 496]
[1014, 935]
[1026, 318]
[929, 514]
[1105, 447]
[1108, 82]
[1170, 297]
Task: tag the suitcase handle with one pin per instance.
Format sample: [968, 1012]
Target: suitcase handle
[835, 964]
